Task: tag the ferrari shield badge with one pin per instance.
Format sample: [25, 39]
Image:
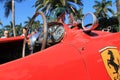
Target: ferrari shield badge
[111, 58]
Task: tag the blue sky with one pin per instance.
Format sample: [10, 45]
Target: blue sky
[25, 10]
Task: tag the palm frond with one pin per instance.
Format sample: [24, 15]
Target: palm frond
[111, 11]
[8, 8]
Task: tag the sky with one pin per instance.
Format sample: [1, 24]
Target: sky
[24, 10]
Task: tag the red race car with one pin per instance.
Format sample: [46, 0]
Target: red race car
[61, 52]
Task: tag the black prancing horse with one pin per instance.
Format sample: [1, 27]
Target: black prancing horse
[112, 63]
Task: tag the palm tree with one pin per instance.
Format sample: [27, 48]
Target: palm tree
[118, 12]
[19, 29]
[1, 32]
[102, 8]
[80, 14]
[53, 6]
[13, 17]
[0, 23]
[10, 6]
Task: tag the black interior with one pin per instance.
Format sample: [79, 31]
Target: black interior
[10, 50]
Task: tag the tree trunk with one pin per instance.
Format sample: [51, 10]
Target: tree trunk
[118, 11]
[13, 17]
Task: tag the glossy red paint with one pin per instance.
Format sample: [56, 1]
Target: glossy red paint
[8, 40]
[76, 57]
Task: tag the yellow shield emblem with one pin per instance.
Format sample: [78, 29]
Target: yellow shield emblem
[111, 59]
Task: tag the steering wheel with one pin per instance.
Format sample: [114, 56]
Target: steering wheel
[55, 35]
[45, 32]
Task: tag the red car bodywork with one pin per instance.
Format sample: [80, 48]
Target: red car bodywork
[76, 57]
